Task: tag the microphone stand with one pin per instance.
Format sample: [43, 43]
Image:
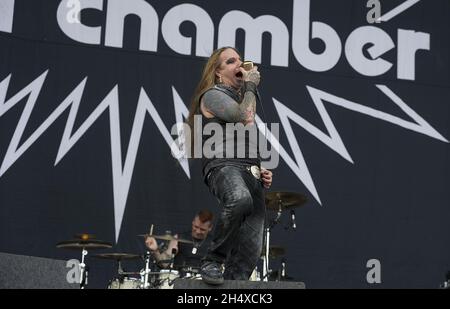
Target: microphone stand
[293, 224]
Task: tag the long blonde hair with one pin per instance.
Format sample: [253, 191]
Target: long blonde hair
[207, 81]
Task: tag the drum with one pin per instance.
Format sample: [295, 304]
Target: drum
[192, 273]
[193, 276]
[125, 283]
[166, 278]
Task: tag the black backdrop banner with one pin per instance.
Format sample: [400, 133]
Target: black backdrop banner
[90, 91]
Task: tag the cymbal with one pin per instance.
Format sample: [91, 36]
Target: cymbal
[274, 251]
[284, 200]
[117, 256]
[84, 244]
[167, 237]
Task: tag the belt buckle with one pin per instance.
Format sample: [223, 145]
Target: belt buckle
[255, 171]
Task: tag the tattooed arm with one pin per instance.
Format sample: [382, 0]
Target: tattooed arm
[224, 107]
[248, 107]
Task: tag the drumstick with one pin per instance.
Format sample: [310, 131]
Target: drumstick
[151, 230]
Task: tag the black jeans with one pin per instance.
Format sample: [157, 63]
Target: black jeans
[238, 234]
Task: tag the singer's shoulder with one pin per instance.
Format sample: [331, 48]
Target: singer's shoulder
[214, 91]
[214, 95]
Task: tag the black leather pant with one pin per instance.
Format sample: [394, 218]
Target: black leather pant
[238, 234]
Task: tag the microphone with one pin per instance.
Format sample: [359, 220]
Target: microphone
[247, 65]
[294, 226]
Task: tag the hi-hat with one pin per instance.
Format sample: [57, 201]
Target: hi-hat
[84, 244]
[117, 256]
[284, 200]
[167, 237]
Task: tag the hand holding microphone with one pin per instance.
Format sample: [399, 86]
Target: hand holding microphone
[250, 72]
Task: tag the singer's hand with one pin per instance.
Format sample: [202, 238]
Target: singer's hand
[266, 177]
[251, 76]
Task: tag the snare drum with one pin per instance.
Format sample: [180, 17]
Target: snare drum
[166, 278]
[125, 283]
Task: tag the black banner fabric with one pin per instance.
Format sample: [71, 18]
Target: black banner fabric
[90, 91]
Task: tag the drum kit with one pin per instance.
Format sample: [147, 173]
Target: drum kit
[152, 277]
[148, 278]
[84, 242]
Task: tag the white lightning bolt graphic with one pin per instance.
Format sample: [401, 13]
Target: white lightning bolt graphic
[399, 9]
[333, 139]
[121, 174]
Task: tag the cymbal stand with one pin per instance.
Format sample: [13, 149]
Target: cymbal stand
[282, 274]
[83, 269]
[120, 270]
[145, 273]
[265, 268]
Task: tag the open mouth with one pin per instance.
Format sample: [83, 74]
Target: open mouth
[239, 74]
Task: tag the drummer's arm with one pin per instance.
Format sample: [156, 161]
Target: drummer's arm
[166, 255]
[152, 245]
[171, 250]
[162, 256]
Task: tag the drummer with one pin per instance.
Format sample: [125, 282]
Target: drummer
[188, 255]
